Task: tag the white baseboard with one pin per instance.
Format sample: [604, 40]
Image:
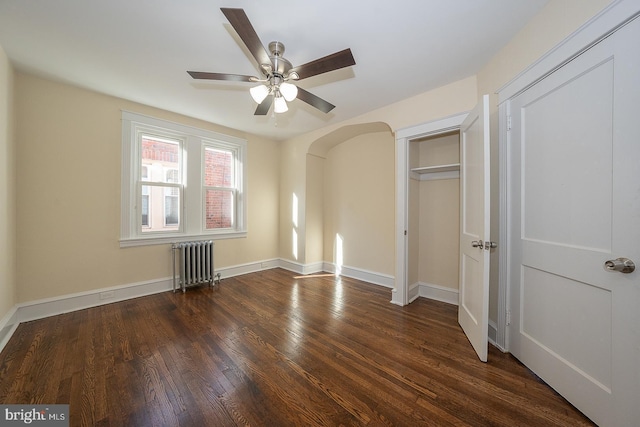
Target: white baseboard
[252, 267]
[296, 267]
[39, 309]
[365, 275]
[32, 310]
[414, 292]
[8, 326]
[438, 293]
[493, 333]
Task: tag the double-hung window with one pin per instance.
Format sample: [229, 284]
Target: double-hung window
[180, 183]
[219, 187]
[160, 184]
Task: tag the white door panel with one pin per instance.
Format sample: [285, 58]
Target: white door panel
[575, 203]
[473, 304]
[567, 189]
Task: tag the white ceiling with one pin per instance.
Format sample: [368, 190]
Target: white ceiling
[141, 49]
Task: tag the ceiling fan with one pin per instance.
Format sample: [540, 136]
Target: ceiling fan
[277, 72]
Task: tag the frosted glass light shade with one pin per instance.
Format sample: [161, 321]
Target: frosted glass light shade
[259, 93]
[280, 105]
[289, 91]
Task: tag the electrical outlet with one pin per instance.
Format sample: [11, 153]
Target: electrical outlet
[107, 294]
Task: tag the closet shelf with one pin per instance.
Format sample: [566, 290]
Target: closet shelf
[437, 169]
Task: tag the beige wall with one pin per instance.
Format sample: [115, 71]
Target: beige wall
[7, 190]
[293, 165]
[359, 202]
[451, 99]
[68, 194]
[314, 211]
[439, 252]
[557, 20]
[438, 214]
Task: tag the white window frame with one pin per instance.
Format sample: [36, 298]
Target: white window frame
[192, 218]
[237, 180]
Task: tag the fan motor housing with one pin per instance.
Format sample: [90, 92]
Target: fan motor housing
[280, 65]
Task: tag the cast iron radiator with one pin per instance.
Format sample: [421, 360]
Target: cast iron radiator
[193, 264]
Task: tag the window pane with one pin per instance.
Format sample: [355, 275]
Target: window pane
[160, 159]
[145, 208]
[218, 166]
[172, 175]
[219, 209]
[160, 208]
[171, 210]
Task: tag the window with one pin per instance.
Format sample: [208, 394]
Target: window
[160, 161]
[159, 158]
[219, 188]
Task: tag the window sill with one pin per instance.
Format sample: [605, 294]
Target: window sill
[163, 240]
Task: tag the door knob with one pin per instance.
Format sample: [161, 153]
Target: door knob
[483, 245]
[623, 265]
[490, 245]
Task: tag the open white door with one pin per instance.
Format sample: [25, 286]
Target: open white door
[473, 305]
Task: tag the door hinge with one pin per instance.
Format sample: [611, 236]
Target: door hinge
[509, 122]
[508, 319]
[405, 232]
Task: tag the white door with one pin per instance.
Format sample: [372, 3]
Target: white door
[574, 153]
[473, 304]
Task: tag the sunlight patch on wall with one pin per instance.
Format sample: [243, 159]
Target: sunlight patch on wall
[294, 244]
[294, 231]
[338, 253]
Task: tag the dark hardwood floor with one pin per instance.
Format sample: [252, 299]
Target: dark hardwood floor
[272, 349]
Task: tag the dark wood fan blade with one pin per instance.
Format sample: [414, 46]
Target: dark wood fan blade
[263, 108]
[240, 22]
[220, 76]
[335, 61]
[314, 101]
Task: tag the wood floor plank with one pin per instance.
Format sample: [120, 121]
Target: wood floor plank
[272, 348]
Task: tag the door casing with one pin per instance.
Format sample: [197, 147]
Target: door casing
[400, 293]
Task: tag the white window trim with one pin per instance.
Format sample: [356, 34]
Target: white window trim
[239, 215]
[192, 221]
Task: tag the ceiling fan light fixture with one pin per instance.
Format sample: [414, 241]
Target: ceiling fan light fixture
[259, 93]
[275, 70]
[289, 91]
[280, 105]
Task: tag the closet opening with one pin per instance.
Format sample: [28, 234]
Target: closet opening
[433, 211]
